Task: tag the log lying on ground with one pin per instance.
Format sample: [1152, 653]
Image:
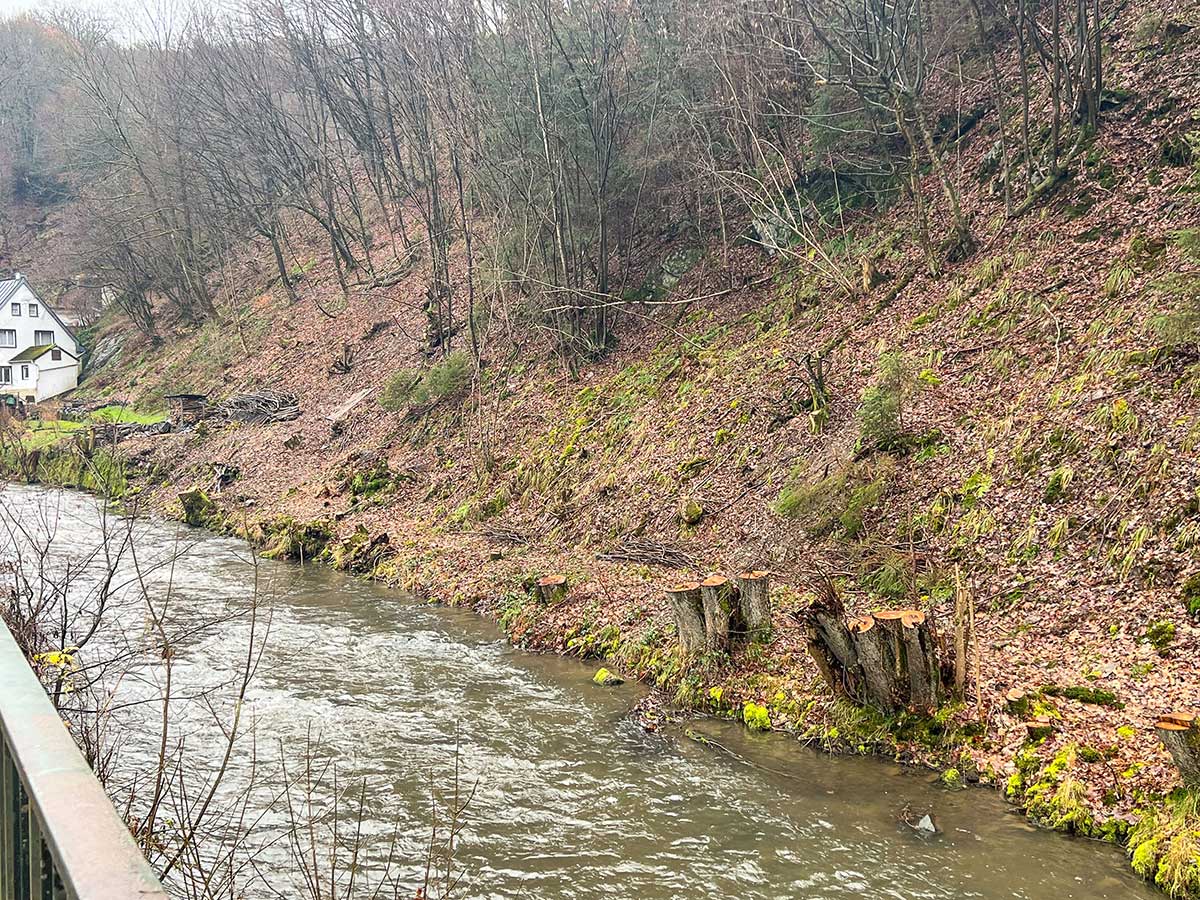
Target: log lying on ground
[719, 598]
[687, 606]
[552, 588]
[754, 593]
[115, 432]
[1180, 734]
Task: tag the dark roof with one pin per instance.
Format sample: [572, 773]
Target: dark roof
[8, 287]
[30, 354]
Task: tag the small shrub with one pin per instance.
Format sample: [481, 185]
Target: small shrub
[837, 502]
[399, 390]
[1161, 635]
[1059, 484]
[1165, 845]
[1188, 240]
[882, 412]
[408, 387]
[1120, 276]
[1148, 26]
[1191, 595]
[449, 377]
[1181, 326]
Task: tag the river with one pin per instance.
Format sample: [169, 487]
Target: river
[572, 799]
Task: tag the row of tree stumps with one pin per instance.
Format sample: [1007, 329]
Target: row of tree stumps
[713, 613]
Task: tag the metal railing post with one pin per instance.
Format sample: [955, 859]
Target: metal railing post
[59, 834]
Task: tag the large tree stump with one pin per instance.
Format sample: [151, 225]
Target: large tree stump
[754, 592]
[687, 606]
[552, 588]
[889, 659]
[1180, 734]
[718, 596]
[875, 656]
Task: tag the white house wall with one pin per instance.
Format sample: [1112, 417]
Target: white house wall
[52, 382]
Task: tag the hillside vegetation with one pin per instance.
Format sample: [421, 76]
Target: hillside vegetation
[907, 298]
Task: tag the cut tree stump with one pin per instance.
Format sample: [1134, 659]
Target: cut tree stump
[921, 658]
[552, 588]
[1039, 727]
[717, 594]
[888, 659]
[831, 645]
[754, 591]
[1016, 701]
[687, 606]
[1180, 734]
[874, 646]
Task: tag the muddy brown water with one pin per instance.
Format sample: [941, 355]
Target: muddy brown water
[573, 799]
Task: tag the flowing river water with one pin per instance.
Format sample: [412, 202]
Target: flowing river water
[572, 798]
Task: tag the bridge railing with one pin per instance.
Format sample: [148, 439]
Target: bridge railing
[59, 834]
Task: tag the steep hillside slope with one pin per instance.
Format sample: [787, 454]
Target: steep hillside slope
[1022, 425]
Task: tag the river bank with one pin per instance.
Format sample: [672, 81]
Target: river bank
[614, 614]
[393, 689]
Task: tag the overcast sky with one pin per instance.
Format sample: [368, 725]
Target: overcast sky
[12, 7]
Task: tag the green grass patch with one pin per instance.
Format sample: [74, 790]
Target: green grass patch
[117, 414]
[42, 435]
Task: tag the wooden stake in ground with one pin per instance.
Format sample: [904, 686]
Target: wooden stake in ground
[718, 596]
[552, 588]
[1180, 734]
[960, 636]
[754, 593]
[687, 606]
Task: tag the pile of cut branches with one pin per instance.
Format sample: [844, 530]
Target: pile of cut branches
[260, 408]
[652, 553]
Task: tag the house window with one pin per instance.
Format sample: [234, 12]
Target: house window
[42, 337]
[8, 337]
[5, 374]
[16, 309]
[33, 310]
[56, 354]
[24, 373]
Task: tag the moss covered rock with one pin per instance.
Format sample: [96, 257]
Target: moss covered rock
[198, 509]
[605, 678]
[360, 554]
[691, 512]
[288, 538]
[756, 717]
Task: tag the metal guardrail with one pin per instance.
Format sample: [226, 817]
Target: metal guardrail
[59, 834]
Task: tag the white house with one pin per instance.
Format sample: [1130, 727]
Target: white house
[39, 355]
